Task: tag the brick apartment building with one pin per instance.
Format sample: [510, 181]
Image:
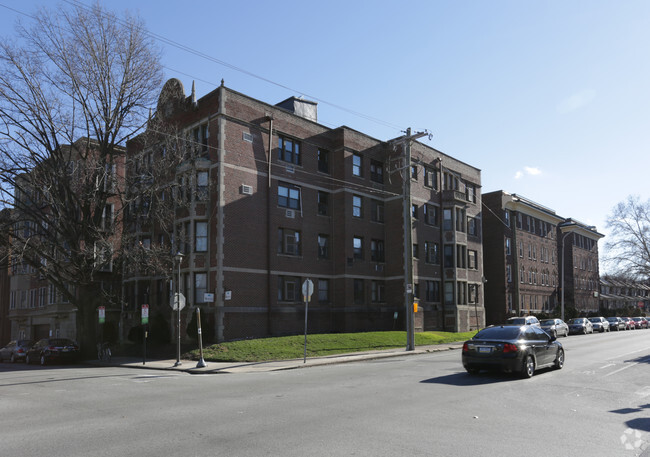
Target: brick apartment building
[275, 198]
[523, 243]
[36, 308]
[581, 270]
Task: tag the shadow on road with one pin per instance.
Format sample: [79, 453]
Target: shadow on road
[464, 379]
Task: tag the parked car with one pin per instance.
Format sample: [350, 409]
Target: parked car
[53, 349]
[555, 327]
[640, 322]
[580, 325]
[629, 323]
[616, 323]
[15, 351]
[512, 348]
[524, 320]
[600, 324]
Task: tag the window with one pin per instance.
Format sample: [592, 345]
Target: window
[199, 138]
[377, 250]
[508, 247]
[470, 193]
[416, 250]
[414, 172]
[472, 259]
[449, 293]
[460, 220]
[509, 273]
[356, 165]
[506, 217]
[430, 178]
[461, 297]
[289, 288]
[323, 203]
[357, 247]
[357, 208]
[451, 182]
[200, 287]
[414, 211]
[432, 252]
[202, 186]
[472, 293]
[433, 291]
[108, 217]
[473, 226]
[359, 295]
[461, 256]
[520, 247]
[323, 291]
[448, 254]
[377, 171]
[103, 256]
[201, 237]
[288, 196]
[447, 223]
[376, 211]
[289, 242]
[323, 161]
[323, 246]
[289, 150]
[431, 215]
[377, 291]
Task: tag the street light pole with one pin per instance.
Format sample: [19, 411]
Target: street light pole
[177, 302]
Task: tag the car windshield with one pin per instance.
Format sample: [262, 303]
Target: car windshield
[595, 319]
[550, 322]
[577, 321]
[517, 321]
[498, 333]
[612, 319]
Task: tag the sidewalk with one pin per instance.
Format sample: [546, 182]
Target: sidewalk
[189, 366]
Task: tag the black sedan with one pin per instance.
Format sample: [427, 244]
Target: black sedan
[53, 350]
[512, 348]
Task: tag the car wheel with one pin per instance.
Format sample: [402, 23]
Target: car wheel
[554, 333]
[43, 360]
[472, 371]
[559, 359]
[528, 369]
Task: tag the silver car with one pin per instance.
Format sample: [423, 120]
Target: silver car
[555, 327]
[600, 324]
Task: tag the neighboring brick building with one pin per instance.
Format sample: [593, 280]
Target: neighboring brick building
[37, 309]
[328, 206]
[581, 272]
[523, 253]
[521, 256]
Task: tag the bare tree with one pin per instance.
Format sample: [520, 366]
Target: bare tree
[74, 88]
[628, 246]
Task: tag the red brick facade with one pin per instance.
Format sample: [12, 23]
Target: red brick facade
[331, 211]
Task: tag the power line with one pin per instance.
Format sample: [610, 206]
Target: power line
[210, 58]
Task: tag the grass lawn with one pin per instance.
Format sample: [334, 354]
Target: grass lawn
[292, 347]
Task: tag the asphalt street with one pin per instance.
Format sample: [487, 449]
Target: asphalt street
[421, 405]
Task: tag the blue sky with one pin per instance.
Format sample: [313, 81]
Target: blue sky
[550, 99]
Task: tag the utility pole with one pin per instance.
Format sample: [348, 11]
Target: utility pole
[408, 246]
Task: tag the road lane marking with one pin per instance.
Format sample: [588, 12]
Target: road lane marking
[621, 369]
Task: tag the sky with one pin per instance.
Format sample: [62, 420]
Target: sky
[549, 99]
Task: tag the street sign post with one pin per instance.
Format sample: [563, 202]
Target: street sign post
[178, 301]
[307, 291]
